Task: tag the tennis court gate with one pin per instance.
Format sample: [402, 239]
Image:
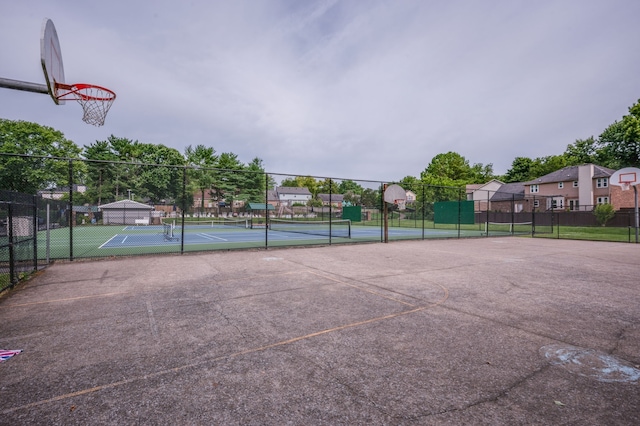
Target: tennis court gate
[18, 242]
[21, 217]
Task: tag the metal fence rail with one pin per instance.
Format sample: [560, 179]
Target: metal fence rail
[106, 209]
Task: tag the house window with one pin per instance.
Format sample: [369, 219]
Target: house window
[602, 182]
[536, 203]
[534, 188]
[575, 183]
[557, 203]
[574, 205]
[603, 200]
[560, 185]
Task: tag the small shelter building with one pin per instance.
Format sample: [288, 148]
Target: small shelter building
[126, 212]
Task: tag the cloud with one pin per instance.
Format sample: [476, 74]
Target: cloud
[370, 90]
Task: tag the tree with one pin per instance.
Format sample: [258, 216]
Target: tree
[100, 176]
[228, 179]
[370, 198]
[159, 175]
[445, 176]
[603, 213]
[582, 151]
[620, 142]
[349, 186]
[35, 170]
[119, 167]
[520, 170]
[327, 186]
[524, 169]
[544, 165]
[254, 189]
[410, 183]
[200, 161]
[302, 182]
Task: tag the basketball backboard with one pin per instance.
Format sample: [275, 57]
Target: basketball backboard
[395, 193]
[626, 178]
[51, 58]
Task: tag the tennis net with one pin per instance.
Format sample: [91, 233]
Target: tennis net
[510, 227]
[167, 231]
[326, 228]
[210, 223]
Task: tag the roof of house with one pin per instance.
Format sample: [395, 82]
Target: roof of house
[472, 187]
[85, 209]
[509, 191]
[260, 206]
[294, 190]
[569, 173]
[126, 204]
[334, 198]
[272, 195]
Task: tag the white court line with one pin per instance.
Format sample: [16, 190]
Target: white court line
[108, 241]
[125, 239]
[211, 237]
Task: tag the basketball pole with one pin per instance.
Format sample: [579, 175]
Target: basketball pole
[635, 193]
[26, 86]
[385, 214]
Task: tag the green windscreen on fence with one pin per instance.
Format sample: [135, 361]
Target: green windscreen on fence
[453, 212]
[353, 213]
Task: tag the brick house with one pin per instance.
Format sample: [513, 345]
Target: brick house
[574, 188]
[334, 199]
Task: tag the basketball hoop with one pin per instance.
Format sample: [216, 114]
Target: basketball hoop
[402, 204]
[95, 100]
[625, 186]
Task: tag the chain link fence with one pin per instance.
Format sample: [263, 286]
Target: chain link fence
[107, 209]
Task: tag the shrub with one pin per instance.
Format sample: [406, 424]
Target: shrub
[603, 212]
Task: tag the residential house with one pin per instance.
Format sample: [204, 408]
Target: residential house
[334, 200]
[481, 194]
[290, 195]
[59, 192]
[509, 198]
[578, 188]
[272, 198]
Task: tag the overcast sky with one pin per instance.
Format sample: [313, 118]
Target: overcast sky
[360, 89]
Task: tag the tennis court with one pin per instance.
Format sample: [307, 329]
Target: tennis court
[105, 241]
[450, 331]
[136, 236]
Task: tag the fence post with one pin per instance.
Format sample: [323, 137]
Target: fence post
[12, 272]
[48, 233]
[35, 232]
[266, 210]
[459, 210]
[330, 209]
[71, 210]
[486, 225]
[183, 208]
[423, 210]
[385, 215]
[533, 217]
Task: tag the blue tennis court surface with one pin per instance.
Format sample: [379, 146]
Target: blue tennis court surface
[149, 236]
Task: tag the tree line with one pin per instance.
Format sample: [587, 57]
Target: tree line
[117, 167]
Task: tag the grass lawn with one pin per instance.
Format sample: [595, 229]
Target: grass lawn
[594, 233]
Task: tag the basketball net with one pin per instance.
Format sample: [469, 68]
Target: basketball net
[402, 204]
[95, 100]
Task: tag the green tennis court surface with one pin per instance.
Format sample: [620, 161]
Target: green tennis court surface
[101, 241]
